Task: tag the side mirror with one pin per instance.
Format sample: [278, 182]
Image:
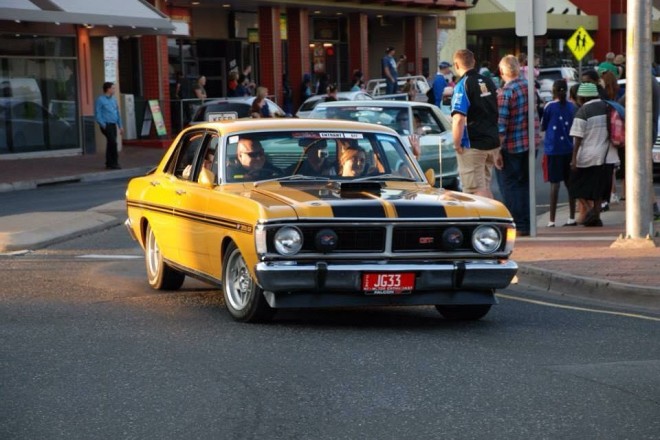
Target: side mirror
[430, 176]
[206, 178]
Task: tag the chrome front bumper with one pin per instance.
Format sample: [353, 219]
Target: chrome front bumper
[327, 277]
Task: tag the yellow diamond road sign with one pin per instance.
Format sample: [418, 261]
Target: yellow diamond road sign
[580, 43]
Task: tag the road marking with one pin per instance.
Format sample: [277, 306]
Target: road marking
[581, 309]
[110, 257]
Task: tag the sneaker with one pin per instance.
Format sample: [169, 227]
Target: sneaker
[604, 207]
[614, 198]
[551, 224]
[570, 222]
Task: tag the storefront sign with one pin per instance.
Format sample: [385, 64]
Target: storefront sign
[253, 35]
[446, 22]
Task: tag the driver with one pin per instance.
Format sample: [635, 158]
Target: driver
[251, 163]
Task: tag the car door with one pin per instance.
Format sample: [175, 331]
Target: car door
[165, 193]
[191, 203]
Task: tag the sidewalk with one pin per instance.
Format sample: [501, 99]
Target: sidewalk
[562, 260]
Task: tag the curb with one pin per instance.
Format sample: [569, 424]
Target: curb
[88, 177]
[612, 292]
[51, 227]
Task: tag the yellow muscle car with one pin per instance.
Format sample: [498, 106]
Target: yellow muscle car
[293, 213]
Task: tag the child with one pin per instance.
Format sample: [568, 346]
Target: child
[558, 146]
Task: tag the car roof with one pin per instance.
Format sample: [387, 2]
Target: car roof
[265, 124]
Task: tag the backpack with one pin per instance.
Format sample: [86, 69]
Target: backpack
[616, 123]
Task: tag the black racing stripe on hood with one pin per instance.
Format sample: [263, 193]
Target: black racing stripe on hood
[358, 209]
[407, 209]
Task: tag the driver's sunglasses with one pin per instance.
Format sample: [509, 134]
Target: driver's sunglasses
[254, 154]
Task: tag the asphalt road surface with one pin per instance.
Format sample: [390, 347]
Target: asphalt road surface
[90, 351]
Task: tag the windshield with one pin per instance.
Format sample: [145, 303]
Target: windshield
[395, 117]
[337, 155]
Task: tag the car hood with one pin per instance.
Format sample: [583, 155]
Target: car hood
[399, 200]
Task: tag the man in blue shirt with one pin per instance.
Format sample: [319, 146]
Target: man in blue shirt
[440, 82]
[106, 112]
[389, 67]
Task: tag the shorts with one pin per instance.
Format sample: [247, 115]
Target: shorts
[476, 168]
[558, 167]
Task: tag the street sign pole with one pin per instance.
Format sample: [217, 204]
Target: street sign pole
[530, 124]
[639, 187]
[531, 20]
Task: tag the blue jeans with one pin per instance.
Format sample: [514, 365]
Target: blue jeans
[516, 187]
[390, 87]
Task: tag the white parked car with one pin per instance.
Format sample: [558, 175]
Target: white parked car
[311, 102]
[548, 75]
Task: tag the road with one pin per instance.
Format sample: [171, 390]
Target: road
[90, 351]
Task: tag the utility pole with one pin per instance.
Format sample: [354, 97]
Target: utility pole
[639, 111]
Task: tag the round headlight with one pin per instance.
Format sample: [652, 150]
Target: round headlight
[288, 240]
[486, 239]
[452, 238]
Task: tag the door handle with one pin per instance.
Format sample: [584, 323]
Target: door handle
[180, 192]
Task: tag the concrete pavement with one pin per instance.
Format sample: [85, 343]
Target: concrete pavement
[561, 260]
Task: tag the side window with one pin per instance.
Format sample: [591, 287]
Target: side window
[188, 151]
[428, 121]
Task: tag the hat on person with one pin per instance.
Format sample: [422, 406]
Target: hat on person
[587, 90]
[389, 49]
[444, 65]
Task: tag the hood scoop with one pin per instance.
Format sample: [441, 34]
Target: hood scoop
[348, 188]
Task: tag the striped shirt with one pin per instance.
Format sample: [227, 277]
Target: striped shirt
[590, 124]
[513, 118]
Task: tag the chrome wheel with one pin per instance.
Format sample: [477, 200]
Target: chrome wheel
[159, 274]
[244, 299]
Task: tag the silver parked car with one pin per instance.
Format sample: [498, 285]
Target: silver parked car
[434, 130]
[311, 102]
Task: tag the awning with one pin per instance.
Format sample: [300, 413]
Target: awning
[562, 15]
[116, 17]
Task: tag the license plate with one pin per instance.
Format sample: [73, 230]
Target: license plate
[221, 116]
[656, 156]
[388, 283]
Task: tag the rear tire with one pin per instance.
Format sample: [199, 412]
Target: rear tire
[245, 300]
[464, 312]
[159, 274]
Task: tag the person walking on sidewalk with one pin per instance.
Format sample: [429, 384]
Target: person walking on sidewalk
[474, 126]
[592, 147]
[106, 113]
[558, 147]
[513, 123]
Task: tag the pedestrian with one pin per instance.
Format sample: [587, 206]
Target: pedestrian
[259, 108]
[608, 65]
[358, 82]
[620, 64]
[322, 83]
[306, 87]
[558, 147]
[611, 87]
[331, 93]
[242, 87]
[106, 113]
[440, 82]
[591, 76]
[232, 83]
[410, 89]
[591, 147]
[390, 68]
[474, 126]
[287, 95]
[513, 127]
[200, 88]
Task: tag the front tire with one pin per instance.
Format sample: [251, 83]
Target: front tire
[245, 300]
[159, 274]
[464, 312]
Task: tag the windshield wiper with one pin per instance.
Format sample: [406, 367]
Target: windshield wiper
[296, 177]
[386, 177]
